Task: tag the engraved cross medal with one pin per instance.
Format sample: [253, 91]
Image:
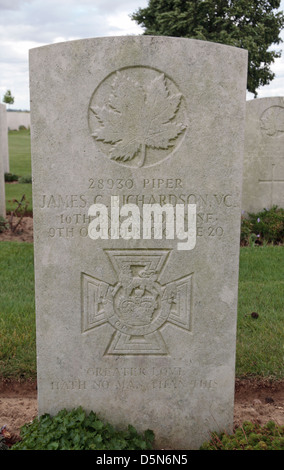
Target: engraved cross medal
[138, 305]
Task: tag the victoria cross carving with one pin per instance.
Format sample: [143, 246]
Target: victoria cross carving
[137, 305]
[136, 112]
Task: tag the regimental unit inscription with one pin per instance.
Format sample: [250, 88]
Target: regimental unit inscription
[69, 212]
[138, 305]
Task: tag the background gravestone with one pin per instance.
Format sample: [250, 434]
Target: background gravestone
[263, 174]
[138, 330]
[4, 138]
[2, 162]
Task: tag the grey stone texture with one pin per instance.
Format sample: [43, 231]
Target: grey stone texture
[4, 138]
[263, 173]
[2, 160]
[139, 330]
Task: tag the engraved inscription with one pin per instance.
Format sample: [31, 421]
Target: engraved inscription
[72, 219]
[137, 306]
[141, 109]
[272, 121]
[125, 379]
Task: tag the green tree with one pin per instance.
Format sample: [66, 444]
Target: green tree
[254, 25]
[8, 98]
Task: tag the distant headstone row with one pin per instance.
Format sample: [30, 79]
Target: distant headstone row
[4, 138]
[18, 119]
[137, 149]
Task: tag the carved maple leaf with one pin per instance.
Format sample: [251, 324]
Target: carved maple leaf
[138, 116]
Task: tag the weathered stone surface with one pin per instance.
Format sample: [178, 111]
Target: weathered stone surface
[4, 138]
[263, 174]
[141, 331]
[2, 161]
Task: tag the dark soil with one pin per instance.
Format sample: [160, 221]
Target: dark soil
[23, 233]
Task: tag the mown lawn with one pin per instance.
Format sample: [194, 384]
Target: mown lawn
[17, 310]
[20, 152]
[260, 341]
[20, 165]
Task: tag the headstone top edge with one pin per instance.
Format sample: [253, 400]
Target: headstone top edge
[265, 98]
[259, 105]
[143, 38]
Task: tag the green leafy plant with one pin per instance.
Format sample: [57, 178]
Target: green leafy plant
[3, 224]
[25, 179]
[77, 430]
[249, 436]
[266, 226]
[11, 177]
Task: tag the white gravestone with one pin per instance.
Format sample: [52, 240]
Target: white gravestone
[136, 317]
[263, 174]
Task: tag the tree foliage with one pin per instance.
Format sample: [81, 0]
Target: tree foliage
[8, 98]
[254, 25]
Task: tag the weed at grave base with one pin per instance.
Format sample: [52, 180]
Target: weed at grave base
[248, 436]
[77, 430]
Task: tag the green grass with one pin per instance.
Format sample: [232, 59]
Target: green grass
[17, 311]
[260, 340]
[15, 192]
[20, 152]
[20, 165]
